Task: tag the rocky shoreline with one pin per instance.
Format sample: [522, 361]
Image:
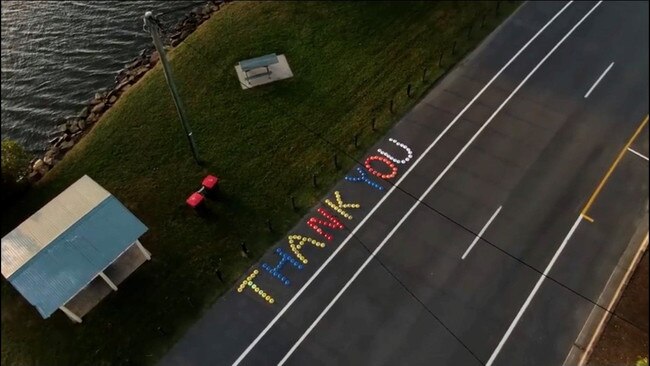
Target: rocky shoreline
[72, 129]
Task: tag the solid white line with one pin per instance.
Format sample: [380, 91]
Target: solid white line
[599, 79]
[329, 259]
[551, 263]
[532, 293]
[480, 234]
[637, 153]
[435, 182]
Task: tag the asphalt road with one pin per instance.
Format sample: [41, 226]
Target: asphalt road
[517, 160]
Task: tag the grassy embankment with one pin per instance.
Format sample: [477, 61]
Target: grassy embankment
[349, 61]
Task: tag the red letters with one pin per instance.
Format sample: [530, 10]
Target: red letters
[332, 222]
[384, 160]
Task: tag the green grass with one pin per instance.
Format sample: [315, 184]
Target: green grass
[349, 60]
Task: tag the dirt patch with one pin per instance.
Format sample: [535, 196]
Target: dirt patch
[622, 343]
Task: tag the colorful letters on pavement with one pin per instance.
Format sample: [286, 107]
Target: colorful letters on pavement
[327, 220]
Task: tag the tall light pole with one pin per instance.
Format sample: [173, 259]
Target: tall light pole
[152, 25]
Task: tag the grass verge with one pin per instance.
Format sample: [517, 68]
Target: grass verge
[349, 60]
[622, 343]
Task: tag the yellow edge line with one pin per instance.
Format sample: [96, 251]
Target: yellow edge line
[587, 218]
[611, 169]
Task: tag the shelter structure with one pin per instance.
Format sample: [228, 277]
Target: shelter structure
[71, 253]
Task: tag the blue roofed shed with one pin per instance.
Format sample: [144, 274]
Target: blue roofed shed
[74, 250]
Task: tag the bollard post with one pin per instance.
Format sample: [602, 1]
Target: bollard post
[268, 223]
[483, 21]
[313, 180]
[293, 203]
[219, 275]
[424, 74]
[469, 30]
[453, 48]
[356, 140]
[336, 162]
[440, 59]
[372, 123]
[390, 108]
[244, 250]
[408, 90]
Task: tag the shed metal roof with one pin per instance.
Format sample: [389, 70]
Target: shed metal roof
[53, 272]
[30, 237]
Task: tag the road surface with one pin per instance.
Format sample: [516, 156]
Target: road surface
[512, 145]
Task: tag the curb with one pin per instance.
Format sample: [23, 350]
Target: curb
[593, 328]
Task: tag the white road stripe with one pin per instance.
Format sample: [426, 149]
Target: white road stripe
[599, 79]
[637, 153]
[552, 262]
[435, 182]
[435, 142]
[480, 234]
[532, 293]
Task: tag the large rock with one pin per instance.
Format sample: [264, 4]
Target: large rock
[72, 124]
[121, 76]
[112, 99]
[121, 85]
[53, 153]
[59, 140]
[40, 167]
[134, 63]
[48, 160]
[34, 176]
[92, 118]
[186, 32]
[153, 59]
[66, 145]
[99, 97]
[75, 124]
[99, 108]
[84, 113]
[141, 70]
[72, 127]
[112, 92]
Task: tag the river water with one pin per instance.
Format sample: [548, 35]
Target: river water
[57, 54]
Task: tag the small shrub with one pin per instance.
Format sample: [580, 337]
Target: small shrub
[15, 162]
